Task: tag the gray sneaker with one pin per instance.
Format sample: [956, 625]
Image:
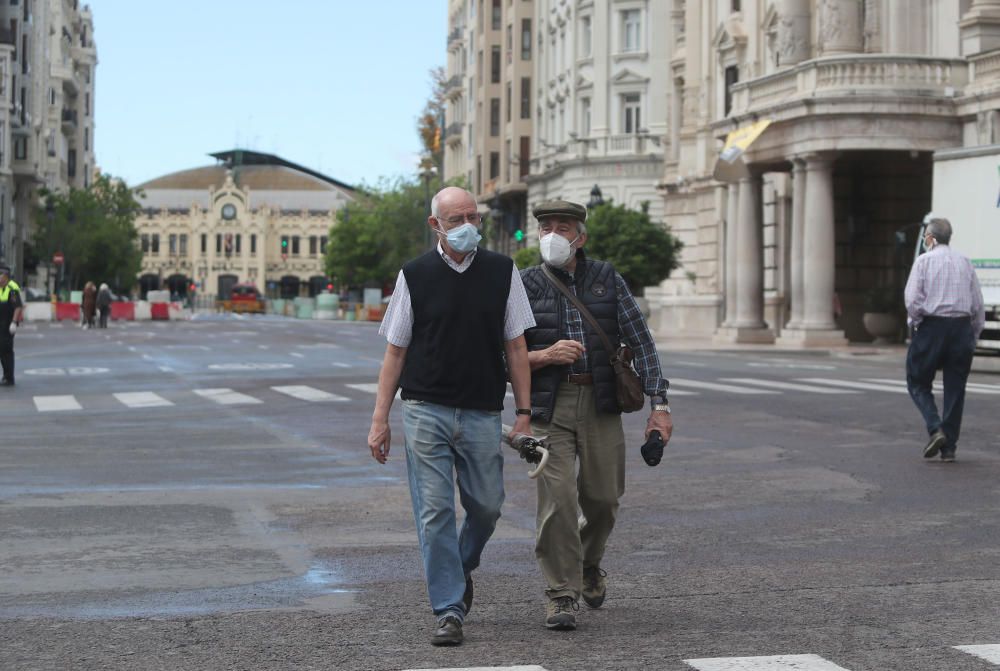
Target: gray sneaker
[937, 442]
[595, 587]
[560, 613]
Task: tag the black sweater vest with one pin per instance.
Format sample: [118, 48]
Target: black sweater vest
[596, 288]
[456, 354]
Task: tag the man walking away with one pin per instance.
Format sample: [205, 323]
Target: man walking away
[10, 318]
[457, 315]
[104, 305]
[944, 304]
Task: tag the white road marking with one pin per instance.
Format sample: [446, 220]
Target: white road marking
[368, 388]
[131, 349]
[298, 355]
[970, 387]
[65, 371]
[776, 663]
[714, 386]
[850, 384]
[342, 365]
[680, 392]
[147, 357]
[692, 364]
[250, 366]
[488, 668]
[166, 369]
[806, 366]
[309, 393]
[263, 346]
[141, 399]
[790, 386]
[991, 653]
[224, 396]
[56, 403]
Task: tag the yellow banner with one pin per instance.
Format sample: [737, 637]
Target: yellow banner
[740, 140]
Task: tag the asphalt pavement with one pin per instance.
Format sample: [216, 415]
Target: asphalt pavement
[198, 495]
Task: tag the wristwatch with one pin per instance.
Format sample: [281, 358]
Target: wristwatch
[659, 404]
[523, 411]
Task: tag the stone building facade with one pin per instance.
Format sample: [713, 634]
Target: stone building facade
[488, 124]
[859, 93]
[253, 218]
[47, 74]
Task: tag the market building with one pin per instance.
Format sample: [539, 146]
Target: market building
[251, 218]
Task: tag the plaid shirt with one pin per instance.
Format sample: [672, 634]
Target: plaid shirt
[943, 283]
[634, 331]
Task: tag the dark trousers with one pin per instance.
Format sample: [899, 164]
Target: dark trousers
[947, 344]
[7, 352]
[104, 317]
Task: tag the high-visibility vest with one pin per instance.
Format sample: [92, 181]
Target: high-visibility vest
[5, 291]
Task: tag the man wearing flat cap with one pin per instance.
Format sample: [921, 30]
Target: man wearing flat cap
[10, 318]
[573, 402]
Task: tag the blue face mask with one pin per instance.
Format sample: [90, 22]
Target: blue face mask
[463, 239]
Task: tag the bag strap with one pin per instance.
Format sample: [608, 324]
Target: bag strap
[557, 283]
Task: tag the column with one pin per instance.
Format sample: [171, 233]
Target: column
[798, 231]
[840, 27]
[732, 216]
[794, 30]
[980, 27]
[749, 257]
[819, 246]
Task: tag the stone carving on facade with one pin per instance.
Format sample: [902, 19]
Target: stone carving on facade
[840, 26]
[873, 26]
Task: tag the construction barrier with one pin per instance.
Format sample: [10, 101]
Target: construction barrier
[159, 311]
[38, 311]
[122, 311]
[69, 311]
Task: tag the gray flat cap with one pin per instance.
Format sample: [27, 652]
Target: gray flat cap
[562, 208]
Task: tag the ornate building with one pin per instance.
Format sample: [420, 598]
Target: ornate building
[859, 94]
[47, 71]
[253, 218]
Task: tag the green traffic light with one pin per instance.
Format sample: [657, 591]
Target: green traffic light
[519, 235]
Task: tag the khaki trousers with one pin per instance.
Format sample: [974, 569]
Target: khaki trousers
[577, 507]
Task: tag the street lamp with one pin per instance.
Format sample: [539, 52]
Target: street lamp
[596, 199]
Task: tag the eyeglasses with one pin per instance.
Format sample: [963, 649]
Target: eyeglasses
[474, 219]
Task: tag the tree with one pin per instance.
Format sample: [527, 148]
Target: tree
[642, 251]
[527, 257]
[431, 121]
[94, 229]
[377, 233]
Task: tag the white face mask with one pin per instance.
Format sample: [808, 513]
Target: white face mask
[556, 250]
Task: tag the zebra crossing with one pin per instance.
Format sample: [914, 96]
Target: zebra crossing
[739, 386]
[808, 662]
[988, 653]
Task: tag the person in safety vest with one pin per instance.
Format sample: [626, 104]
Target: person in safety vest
[10, 318]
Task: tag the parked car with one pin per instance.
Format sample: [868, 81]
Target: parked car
[243, 298]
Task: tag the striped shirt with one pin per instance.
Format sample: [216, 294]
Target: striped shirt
[943, 283]
[397, 325]
[634, 331]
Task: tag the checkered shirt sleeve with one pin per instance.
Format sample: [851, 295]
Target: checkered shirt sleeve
[636, 334]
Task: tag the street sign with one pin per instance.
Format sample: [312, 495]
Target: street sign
[57, 258]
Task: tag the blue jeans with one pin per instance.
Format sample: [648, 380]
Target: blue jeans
[948, 344]
[440, 442]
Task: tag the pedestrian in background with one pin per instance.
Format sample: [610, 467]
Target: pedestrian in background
[11, 313]
[944, 304]
[457, 315]
[104, 305]
[573, 402]
[89, 304]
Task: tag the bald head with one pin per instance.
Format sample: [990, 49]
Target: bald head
[451, 197]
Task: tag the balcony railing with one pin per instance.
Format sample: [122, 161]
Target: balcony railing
[7, 36]
[839, 76]
[453, 85]
[69, 117]
[454, 36]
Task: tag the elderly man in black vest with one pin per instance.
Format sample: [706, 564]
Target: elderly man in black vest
[573, 402]
[455, 328]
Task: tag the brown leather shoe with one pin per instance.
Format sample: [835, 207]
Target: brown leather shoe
[595, 587]
[449, 632]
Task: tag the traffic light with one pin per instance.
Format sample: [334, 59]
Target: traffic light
[519, 235]
[284, 244]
